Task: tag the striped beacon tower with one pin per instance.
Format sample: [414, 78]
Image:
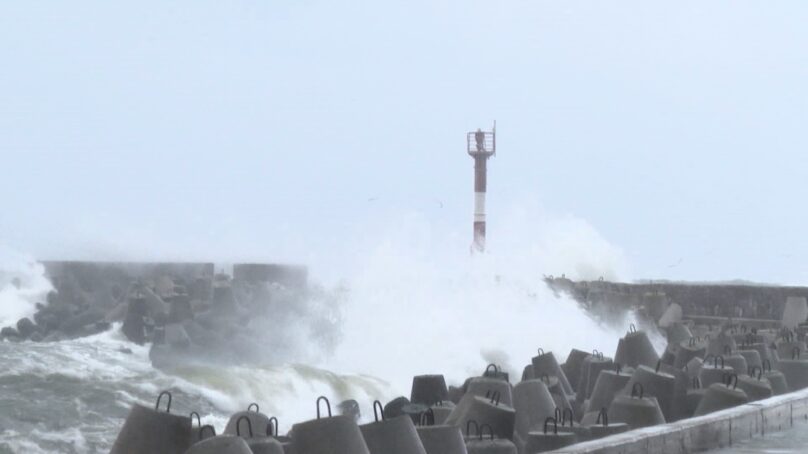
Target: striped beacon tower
[480, 145]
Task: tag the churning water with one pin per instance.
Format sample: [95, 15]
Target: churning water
[419, 304]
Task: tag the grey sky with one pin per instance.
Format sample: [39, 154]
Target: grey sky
[261, 129]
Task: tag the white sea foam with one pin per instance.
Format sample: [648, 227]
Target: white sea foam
[22, 285]
[417, 302]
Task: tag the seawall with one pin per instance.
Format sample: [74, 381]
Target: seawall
[717, 430]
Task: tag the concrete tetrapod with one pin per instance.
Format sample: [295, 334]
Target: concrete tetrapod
[415, 411]
[396, 407]
[428, 389]
[635, 349]
[557, 391]
[693, 397]
[205, 432]
[636, 410]
[751, 356]
[700, 330]
[590, 369]
[486, 443]
[658, 384]
[739, 334]
[573, 366]
[527, 373]
[735, 361]
[568, 425]
[608, 383]
[546, 364]
[693, 367]
[443, 439]
[787, 344]
[329, 435]
[485, 410]
[442, 410]
[601, 428]
[259, 445]
[543, 441]
[776, 378]
[533, 405]
[391, 436]
[755, 385]
[720, 396]
[689, 349]
[763, 350]
[669, 355]
[718, 344]
[712, 371]
[678, 333]
[494, 371]
[350, 407]
[153, 431]
[795, 370]
[483, 386]
[195, 431]
[222, 444]
[258, 420]
[681, 384]
[285, 441]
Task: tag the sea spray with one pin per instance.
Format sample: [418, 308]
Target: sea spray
[22, 285]
[421, 303]
[411, 300]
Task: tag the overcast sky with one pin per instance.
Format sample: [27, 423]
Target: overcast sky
[263, 130]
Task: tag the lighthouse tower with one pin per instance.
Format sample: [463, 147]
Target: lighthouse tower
[480, 145]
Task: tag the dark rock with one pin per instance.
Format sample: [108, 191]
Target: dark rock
[47, 319]
[160, 319]
[91, 329]
[54, 336]
[117, 313]
[37, 337]
[128, 351]
[9, 332]
[134, 327]
[25, 327]
[78, 322]
[103, 326]
[223, 300]
[175, 336]
[155, 306]
[202, 336]
[180, 309]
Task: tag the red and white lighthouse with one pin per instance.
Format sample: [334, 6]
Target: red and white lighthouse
[480, 145]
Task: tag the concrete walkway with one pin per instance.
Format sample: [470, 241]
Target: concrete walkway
[716, 430]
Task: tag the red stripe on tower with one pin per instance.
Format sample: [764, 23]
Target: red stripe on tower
[480, 145]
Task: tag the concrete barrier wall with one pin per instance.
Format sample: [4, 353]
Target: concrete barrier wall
[717, 430]
[289, 275]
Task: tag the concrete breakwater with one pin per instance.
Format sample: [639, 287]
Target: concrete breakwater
[181, 308]
[711, 382]
[719, 300]
[717, 430]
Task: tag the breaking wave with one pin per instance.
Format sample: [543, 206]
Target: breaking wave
[413, 301]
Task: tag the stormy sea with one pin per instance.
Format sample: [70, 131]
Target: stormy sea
[405, 309]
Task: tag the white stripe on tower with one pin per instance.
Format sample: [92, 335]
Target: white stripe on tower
[479, 207]
[479, 201]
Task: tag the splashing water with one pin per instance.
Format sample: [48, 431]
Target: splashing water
[22, 285]
[417, 302]
[424, 305]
